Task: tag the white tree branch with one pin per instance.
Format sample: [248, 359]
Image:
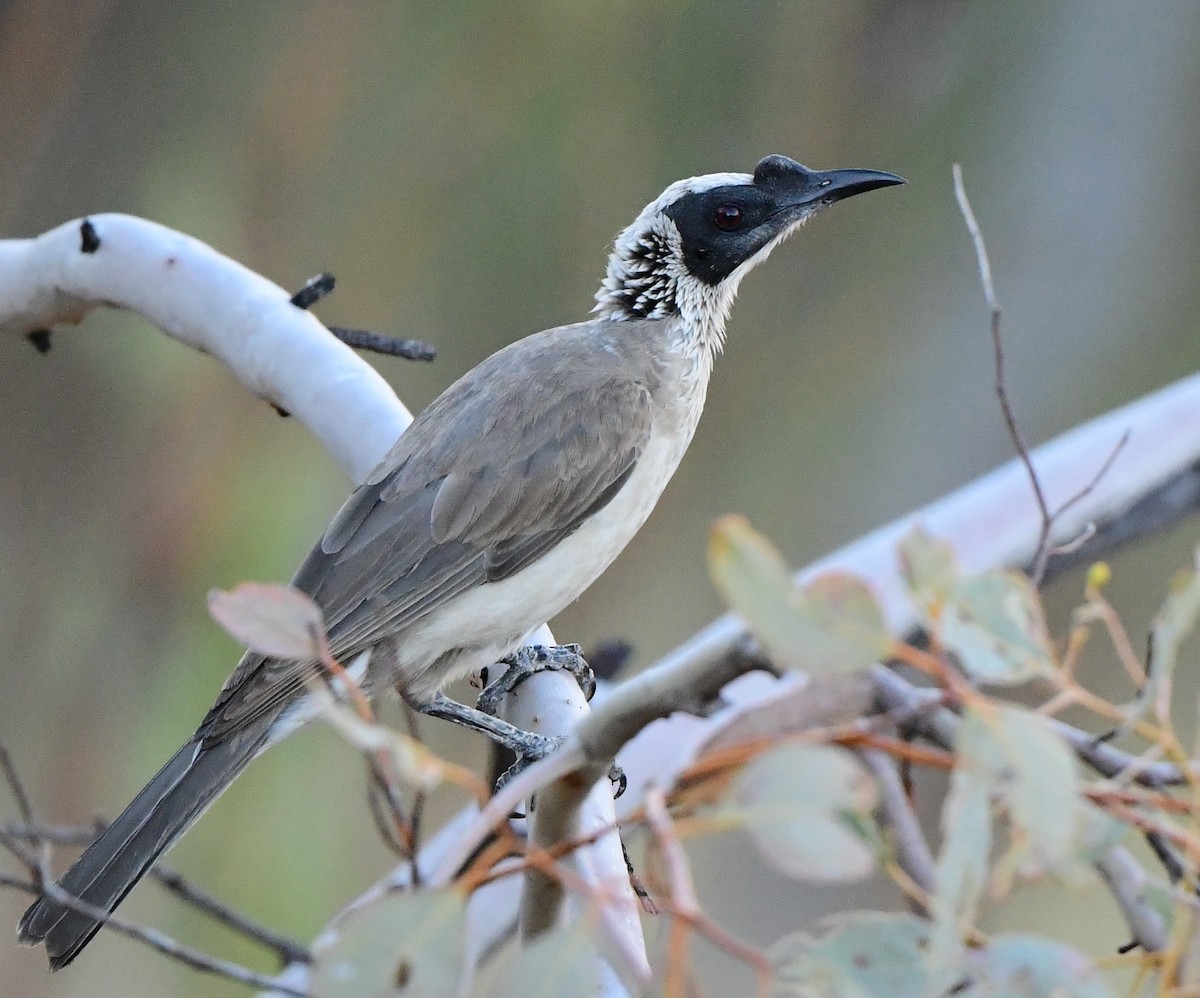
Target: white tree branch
[202, 298]
[994, 521]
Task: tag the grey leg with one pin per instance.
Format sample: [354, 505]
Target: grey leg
[525, 744]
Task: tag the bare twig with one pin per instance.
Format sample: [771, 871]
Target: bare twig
[15, 786]
[23, 854]
[912, 850]
[379, 762]
[939, 724]
[37, 861]
[1045, 550]
[686, 911]
[156, 940]
[288, 950]
[313, 290]
[391, 346]
[1010, 419]
[1070, 547]
[384, 807]
[1087, 490]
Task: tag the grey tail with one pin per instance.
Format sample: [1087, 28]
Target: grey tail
[111, 866]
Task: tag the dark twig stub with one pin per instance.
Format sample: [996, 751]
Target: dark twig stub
[318, 287]
[89, 239]
[363, 339]
[314, 289]
[40, 338]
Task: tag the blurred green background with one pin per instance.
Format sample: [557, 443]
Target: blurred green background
[462, 168]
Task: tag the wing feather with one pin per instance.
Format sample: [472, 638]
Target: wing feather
[494, 473]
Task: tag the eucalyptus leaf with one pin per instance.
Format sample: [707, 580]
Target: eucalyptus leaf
[1016, 965]
[564, 963]
[806, 807]
[1174, 623]
[962, 867]
[928, 564]
[832, 625]
[403, 945]
[860, 955]
[1034, 773]
[278, 621]
[994, 625]
[1012, 756]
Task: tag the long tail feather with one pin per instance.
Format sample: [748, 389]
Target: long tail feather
[111, 866]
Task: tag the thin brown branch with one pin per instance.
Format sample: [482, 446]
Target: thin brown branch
[400, 836]
[288, 950]
[1045, 550]
[38, 863]
[23, 854]
[318, 287]
[684, 907]
[1122, 874]
[15, 786]
[1088, 489]
[1001, 386]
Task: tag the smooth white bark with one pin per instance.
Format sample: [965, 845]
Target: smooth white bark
[202, 298]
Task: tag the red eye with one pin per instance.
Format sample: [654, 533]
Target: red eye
[728, 217]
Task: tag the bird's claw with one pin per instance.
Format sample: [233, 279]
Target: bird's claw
[527, 661]
[531, 749]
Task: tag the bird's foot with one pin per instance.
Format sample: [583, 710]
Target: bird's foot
[522, 664]
[527, 745]
[527, 661]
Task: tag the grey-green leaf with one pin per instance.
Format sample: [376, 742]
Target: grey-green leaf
[1174, 622]
[928, 565]
[806, 806]
[994, 625]
[860, 955]
[832, 625]
[1012, 755]
[1025, 966]
[405, 945]
[962, 867]
[1033, 772]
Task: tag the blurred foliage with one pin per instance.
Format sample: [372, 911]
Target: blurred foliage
[461, 169]
[1010, 768]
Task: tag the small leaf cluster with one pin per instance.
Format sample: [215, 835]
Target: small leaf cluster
[1019, 806]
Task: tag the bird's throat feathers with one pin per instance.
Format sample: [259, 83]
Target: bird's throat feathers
[648, 277]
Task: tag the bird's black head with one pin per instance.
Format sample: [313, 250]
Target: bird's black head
[686, 252]
[723, 225]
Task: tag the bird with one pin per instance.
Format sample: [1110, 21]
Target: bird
[499, 505]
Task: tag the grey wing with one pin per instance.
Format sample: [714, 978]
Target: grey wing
[452, 514]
